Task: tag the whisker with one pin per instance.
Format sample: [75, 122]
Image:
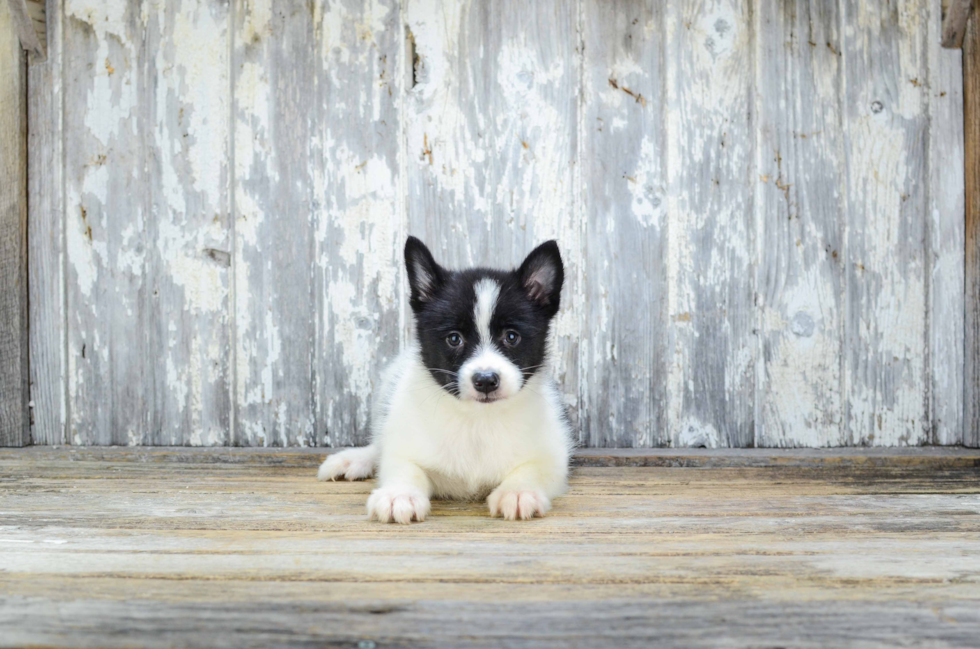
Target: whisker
[436, 369]
[528, 370]
[532, 367]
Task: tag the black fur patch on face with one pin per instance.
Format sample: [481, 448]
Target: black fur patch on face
[444, 303]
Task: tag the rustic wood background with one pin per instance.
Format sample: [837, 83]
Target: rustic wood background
[760, 203]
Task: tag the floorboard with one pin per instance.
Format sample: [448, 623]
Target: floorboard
[119, 547]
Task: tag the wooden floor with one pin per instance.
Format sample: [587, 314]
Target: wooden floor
[177, 547]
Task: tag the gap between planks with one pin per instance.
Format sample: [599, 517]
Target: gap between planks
[926, 457]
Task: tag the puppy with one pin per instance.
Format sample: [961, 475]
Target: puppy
[470, 410]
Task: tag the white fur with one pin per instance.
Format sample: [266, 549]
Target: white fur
[513, 452]
[353, 464]
[487, 292]
[487, 358]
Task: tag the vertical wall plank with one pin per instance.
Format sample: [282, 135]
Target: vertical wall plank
[232, 271]
[188, 254]
[14, 414]
[971, 119]
[886, 132]
[359, 228]
[712, 247]
[105, 223]
[945, 218]
[625, 216]
[274, 73]
[491, 128]
[800, 205]
[45, 239]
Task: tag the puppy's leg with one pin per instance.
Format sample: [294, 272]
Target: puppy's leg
[403, 495]
[352, 464]
[524, 493]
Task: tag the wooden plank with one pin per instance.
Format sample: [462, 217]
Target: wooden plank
[971, 119]
[954, 22]
[945, 227]
[14, 391]
[801, 207]
[46, 243]
[97, 554]
[360, 233]
[624, 364]
[711, 384]
[488, 154]
[274, 68]
[364, 622]
[886, 121]
[186, 108]
[928, 460]
[491, 130]
[105, 219]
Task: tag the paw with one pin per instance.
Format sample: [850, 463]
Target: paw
[347, 465]
[398, 504]
[515, 504]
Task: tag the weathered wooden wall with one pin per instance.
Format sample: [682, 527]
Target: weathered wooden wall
[14, 412]
[760, 203]
[971, 118]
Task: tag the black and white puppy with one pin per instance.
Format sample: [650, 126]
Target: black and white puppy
[470, 410]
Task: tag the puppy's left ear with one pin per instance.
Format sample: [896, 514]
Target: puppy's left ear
[542, 275]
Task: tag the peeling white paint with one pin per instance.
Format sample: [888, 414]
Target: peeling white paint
[484, 154]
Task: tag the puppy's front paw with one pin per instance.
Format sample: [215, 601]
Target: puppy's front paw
[513, 504]
[398, 504]
[352, 464]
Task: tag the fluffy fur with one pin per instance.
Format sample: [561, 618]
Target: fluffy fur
[469, 410]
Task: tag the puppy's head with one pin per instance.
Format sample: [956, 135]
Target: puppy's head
[483, 333]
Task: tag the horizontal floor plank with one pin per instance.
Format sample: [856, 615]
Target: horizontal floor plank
[163, 547]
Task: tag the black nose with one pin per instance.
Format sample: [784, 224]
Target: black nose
[486, 382]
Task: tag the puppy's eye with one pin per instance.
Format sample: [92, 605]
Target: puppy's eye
[511, 337]
[454, 339]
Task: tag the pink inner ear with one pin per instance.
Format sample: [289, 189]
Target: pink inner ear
[537, 292]
[539, 283]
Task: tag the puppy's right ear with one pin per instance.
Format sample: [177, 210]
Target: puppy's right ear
[425, 276]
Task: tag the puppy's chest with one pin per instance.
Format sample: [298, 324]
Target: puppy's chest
[476, 451]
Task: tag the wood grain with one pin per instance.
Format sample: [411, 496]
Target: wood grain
[106, 192]
[886, 128]
[274, 68]
[358, 196]
[116, 552]
[624, 354]
[711, 384]
[491, 132]
[801, 207]
[14, 412]
[46, 242]
[219, 194]
[955, 21]
[929, 461]
[944, 247]
[187, 106]
[971, 119]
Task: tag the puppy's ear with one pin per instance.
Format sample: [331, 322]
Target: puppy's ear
[542, 275]
[425, 276]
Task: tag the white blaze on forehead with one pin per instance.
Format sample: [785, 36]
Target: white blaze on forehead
[487, 291]
[486, 357]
